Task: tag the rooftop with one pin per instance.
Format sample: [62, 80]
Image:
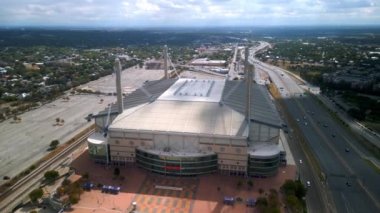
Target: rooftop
[194, 90]
[193, 117]
[211, 107]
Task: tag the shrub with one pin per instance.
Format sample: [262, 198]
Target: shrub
[86, 176]
[116, 171]
[239, 184]
[35, 194]
[54, 144]
[51, 175]
[74, 198]
[250, 183]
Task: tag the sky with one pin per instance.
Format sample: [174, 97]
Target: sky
[187, 13]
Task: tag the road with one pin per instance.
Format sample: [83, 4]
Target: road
[232, 73]
[315, 199]
[349, 178]
[355, 126]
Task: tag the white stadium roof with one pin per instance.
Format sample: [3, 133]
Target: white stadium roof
[210, 107]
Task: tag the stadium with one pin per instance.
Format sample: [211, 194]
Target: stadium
[188, 127]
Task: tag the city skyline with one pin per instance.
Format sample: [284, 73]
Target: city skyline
[188, 13]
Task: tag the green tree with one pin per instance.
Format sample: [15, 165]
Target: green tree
[51, 175]
[294, 204]
[74, 198]
[86, 175]
[54, 144]
[261, 203]
[250, 183]
[239, 184]
[116, 171]
[35, 195]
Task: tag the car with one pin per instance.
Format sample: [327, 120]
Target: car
[305, 123]
[347, 149]
[308, 184]
[301, 161]
[348, 184]
[298, 119]
[324, 125]
[333, 135]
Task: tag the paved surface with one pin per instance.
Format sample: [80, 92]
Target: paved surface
[131, 79]
[232, 73]
[357, 127]
[150, 199]
[199, 194]
[24, 143]
[339, 166]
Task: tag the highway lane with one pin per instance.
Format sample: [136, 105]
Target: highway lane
[358, 128]
[315, 199]
[340, 167]
[232, 73]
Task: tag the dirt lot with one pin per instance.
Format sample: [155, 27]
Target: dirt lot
[197, 194]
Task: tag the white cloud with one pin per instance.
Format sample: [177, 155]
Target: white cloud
[188, 12]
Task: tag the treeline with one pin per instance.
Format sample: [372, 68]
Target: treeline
[105, 38]
[367, 108]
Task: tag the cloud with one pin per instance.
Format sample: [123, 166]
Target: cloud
[188, 12]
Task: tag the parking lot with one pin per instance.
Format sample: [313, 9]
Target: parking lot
[131, 79]
[23, 143]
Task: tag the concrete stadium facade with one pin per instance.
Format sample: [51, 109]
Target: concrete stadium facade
[192, 127]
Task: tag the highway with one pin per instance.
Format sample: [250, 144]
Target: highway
[355, 126]
[350, 180]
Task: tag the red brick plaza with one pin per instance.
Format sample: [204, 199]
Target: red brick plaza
[155, 193]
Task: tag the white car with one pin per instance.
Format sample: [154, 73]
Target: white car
[300, 161]
[308, 184]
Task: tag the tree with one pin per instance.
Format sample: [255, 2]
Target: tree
[261, 203]
[86, 175]
[294, 192]
[35, 195]
[294, 204]
[239, 184]
[261, 191]
[250, 183]
[116, 171]
[74, 198]
[51, 175]
[54, 144]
